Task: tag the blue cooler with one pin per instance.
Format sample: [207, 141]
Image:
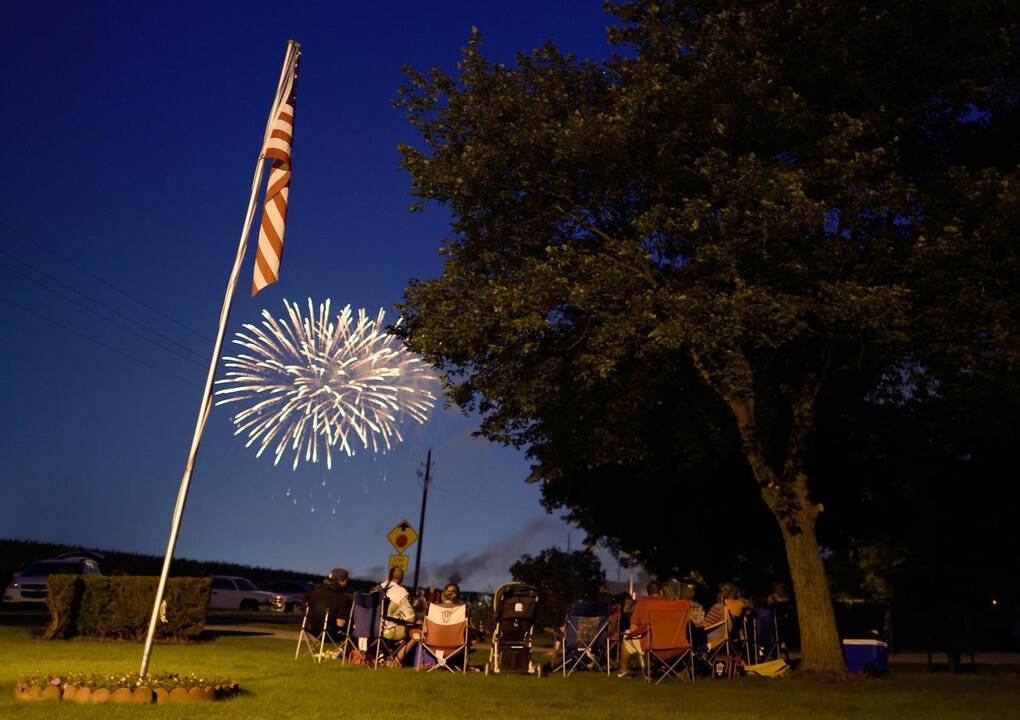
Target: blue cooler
[866, 656]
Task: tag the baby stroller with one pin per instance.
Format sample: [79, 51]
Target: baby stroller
[514, 606]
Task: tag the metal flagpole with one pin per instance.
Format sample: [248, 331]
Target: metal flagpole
[421, 521]
[293, 49]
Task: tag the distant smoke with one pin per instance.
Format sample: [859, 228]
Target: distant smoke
[495, 561]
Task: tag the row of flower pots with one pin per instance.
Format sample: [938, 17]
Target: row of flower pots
[141, 695]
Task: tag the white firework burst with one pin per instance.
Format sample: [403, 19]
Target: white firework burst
[313, 380]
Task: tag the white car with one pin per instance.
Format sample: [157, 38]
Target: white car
[31, 584]
[237, 593]
[294, 592]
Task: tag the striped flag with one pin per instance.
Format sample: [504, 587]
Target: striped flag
[274, 213]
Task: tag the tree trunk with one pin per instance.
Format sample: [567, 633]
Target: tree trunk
[821, 650]
[786, 495]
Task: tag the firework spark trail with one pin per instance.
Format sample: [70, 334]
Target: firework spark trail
[307, 380]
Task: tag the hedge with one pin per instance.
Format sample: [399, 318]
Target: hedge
[118, 607]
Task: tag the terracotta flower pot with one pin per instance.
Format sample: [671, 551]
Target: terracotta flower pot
[33, 693]
[70, 691]
[142, 696]
[82, 695]
[100, 695]
[50, 692]
[179, 695]
[197, 694]
[162, 695]
[210, 693]
[121, 696]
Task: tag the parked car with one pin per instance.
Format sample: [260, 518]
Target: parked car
[31, 584]
[293, 592]
[81, 555]
[237, 593]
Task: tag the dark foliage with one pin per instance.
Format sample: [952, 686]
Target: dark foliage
[119, 607]
[560, 578]
[665, 268]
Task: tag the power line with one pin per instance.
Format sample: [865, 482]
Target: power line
[101, 343]
[102, 304]
[121, 325]
[104, 281]
[473, 498]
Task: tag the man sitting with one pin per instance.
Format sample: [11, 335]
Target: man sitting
[329, 597]
[635, 638]
[397, 613]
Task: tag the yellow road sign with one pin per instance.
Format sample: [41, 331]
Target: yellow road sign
[400, 561]
[402, 536]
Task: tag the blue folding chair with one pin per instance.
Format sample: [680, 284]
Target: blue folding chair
[364, 628]
[586, 641]
[765, 640]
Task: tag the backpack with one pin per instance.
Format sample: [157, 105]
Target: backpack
[727, 666]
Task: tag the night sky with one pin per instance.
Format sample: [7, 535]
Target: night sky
[131, 131]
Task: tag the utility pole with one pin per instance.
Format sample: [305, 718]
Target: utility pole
[421, 521]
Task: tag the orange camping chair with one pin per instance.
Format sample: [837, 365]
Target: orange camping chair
[669, 641]
[444, 636]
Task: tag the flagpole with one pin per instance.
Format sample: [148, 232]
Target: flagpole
[293, 48]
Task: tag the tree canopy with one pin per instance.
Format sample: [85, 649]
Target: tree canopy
[560, 578]
[662, 265]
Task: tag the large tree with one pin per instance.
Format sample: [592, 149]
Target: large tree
[560, 578]
[685, 248]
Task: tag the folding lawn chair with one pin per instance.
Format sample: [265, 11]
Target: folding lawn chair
[308, 638]
[444, 635]
[364, 627]
[734, 641]
[669, 641]
[585, 638]
[764, 640]
[613, 635]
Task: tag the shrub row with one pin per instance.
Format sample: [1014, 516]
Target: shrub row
[119, 607]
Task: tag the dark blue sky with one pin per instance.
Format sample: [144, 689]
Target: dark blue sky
[131, 130]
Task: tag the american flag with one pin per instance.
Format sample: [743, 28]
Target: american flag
[274, 213]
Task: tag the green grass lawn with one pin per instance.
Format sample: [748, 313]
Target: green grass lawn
[279, 687]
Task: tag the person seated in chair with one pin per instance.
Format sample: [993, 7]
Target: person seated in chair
[780, 593]
[716, 613]
[450, 597]
[398, 614]
[686, 592]
[329, 597]
[634, 638]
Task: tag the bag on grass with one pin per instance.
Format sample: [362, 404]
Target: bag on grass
[726, 666]
[770, 669]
